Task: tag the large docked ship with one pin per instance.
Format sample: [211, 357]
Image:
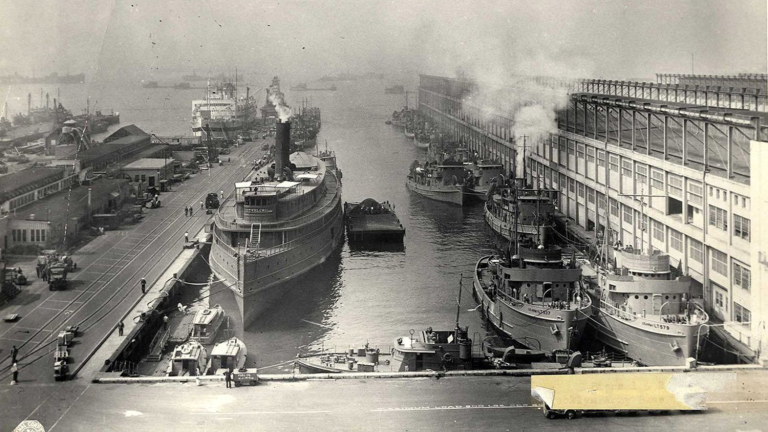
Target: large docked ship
[280, 223]
[222, 113]
[643, 312]
[534, 207]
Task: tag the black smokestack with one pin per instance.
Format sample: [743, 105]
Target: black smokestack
[282, 146]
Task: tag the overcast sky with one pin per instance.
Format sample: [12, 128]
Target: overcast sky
[303, 40]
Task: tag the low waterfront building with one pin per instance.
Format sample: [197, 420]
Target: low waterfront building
[23, 188]
[656, 166]
[58, 219]
[123, 144]
[149, 172]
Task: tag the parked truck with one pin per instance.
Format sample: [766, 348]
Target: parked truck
[8, 288]
[572, 396]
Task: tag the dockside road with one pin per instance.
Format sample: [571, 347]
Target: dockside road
[105, 285]
[428, 404]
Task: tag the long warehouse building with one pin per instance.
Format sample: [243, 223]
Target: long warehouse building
[665, 166]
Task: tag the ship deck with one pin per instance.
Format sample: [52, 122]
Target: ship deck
[228, 219]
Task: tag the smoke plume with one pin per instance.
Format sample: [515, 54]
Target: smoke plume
[284, 112]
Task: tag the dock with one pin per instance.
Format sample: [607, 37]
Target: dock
[370, 221]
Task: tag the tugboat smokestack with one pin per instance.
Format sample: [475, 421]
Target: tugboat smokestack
[282, 146]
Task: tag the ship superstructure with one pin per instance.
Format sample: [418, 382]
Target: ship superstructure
[222, 113]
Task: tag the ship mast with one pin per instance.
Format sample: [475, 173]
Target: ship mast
[458, 300]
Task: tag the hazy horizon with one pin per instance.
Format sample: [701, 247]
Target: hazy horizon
[304, 40]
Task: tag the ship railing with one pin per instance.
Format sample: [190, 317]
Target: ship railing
[613, 357]
[613, 310]
[255, 253]
[332, 189]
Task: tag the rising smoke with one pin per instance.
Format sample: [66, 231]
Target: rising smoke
[521, 64]
[284, 112]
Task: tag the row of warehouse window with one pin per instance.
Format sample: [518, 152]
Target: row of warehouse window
[35, 235]
[556, 152]
[740, 313]
[718, 217]
[40, 193]
[22, 200]
[676, 241]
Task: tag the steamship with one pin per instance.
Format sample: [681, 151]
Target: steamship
[281, 222]
[221, 113]
[644, 312]
[529, 294]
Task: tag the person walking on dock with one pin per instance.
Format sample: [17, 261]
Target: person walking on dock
[120, 327]
[186, 211]
[201, 204]
[14, 352]
[190, 211]
[228, 378]
[143, 286]
[165, 322]
[15, 370]
[186, 237]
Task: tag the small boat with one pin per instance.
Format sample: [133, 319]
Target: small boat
[421, 141]
[442, 182]
[189, 358]
[371, 221]
[494, 347]
[230, 354]
[206, 324]
[363, 359]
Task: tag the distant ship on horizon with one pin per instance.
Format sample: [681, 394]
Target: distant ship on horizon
[51, 78]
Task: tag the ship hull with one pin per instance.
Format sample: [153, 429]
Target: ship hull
[421, 145]
[453, 194]
[663, 344]
[226, 127]
[532, 325]
[263, 281]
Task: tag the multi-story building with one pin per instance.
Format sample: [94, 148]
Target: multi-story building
[662, 166]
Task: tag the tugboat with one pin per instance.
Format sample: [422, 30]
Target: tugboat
[439, 181]
[531, 296]
[206, 324]
[188, 358]
[228, 355]
[643, 312]
[370, 221]
[484, 172]
[512, 208]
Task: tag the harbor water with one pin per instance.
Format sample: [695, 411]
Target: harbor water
[355, 297]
